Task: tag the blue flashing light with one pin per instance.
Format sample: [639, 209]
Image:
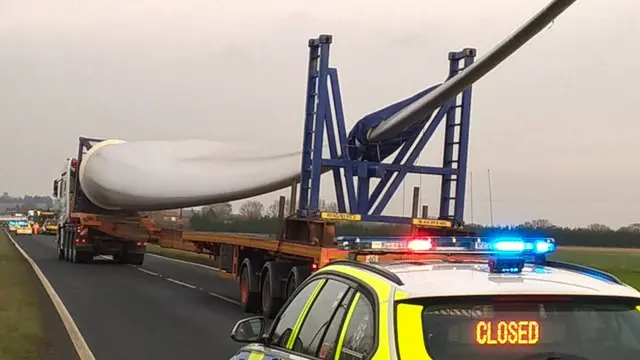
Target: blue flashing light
[508, 245]
[544, 247]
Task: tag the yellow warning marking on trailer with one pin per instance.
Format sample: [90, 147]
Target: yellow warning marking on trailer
[340, 216]
[432, 222]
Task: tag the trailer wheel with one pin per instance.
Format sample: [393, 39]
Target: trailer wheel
[67, 249]
[58, 244]
[297, 275]
[250, 301]
[80, 257]
[273, 276]
[136, 259]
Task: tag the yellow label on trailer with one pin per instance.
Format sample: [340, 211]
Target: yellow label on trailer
[340, 216]
[432, 223]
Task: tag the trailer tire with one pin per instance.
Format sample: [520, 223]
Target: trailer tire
[65, 245]
[82, 257]
[249, 300]
[135, 259]
[272, 291]
[297, 275]
[58, 246]
[122, 258]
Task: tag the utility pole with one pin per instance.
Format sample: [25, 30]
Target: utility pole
[490, 196]
[471, 194]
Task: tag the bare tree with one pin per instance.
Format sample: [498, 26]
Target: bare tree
[272, 211]
[251, 209]
[221, 211]
[328, 206]
[598, 227]
[538, 224]
[634, 228]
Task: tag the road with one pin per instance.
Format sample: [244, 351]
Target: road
[164, 309]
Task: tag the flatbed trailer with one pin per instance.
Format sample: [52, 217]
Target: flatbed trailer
[268, 270]
[86, 230]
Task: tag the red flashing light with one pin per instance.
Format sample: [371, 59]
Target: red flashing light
[314, 267]
[420, 244]
[74, 163]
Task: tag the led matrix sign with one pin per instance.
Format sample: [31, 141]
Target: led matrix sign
[507, 332]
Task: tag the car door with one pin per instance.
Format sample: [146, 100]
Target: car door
[339, 324]
[283, 326]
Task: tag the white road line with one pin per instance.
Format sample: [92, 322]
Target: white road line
[224, 298]
[148, 272]
[74, 333]
[229, 300]
[181, 283]
[184, 262]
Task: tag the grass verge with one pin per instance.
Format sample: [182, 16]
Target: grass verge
[181, 255]
[623, 263]
[22, 330]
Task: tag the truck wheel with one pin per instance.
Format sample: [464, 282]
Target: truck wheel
[58, 244]
[67, 250]
[297, 275]
[76, 256]
[136, 259]
[250, 301]
[82, 257]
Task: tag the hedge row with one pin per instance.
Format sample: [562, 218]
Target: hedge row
[563, 236]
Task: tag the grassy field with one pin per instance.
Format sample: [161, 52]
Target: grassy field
[22, 330]
[623, 263]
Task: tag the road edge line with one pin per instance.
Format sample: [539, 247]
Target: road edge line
[79, 343]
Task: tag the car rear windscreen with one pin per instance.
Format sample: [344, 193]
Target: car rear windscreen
[532, 328]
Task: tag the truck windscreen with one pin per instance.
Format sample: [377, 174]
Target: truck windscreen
[528, 328]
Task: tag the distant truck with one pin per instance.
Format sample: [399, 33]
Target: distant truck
[85, 230]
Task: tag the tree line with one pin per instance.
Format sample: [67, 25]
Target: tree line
[254, 217]
[23, 203]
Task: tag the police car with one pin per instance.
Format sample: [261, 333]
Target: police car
[451, 298]
[24, 228]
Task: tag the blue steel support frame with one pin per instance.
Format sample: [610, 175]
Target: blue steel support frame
[319, 117]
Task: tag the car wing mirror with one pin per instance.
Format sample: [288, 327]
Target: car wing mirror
[249, 330]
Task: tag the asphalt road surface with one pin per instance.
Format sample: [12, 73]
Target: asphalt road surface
[164, 309]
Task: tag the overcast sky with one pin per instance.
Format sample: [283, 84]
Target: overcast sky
[557, 123]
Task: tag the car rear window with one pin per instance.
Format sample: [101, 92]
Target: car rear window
[532, 328]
